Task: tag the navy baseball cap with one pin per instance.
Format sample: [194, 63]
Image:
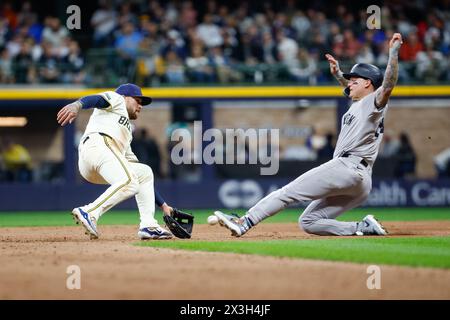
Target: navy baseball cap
[132, 90]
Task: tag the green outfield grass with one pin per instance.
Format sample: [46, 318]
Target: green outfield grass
[63, 218]
[416, 252]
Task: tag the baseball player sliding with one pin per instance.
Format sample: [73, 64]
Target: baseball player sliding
[105, 157]
[345, 181]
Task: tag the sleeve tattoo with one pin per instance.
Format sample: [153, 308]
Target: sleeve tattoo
[390, 79]
[339, 77]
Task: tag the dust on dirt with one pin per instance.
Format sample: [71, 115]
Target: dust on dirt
[34, 264]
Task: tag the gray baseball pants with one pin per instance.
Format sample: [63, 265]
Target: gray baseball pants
[334, 187]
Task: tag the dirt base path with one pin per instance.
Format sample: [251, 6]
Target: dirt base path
[34, 261]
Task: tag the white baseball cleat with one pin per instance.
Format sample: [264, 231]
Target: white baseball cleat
[370, 226]
[87, 221]
[155, 233]
[232, 223]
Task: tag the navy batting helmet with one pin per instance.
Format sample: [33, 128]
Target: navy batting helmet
[366, 71]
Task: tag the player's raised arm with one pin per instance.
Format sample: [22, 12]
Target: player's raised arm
[336, 71]
[68, 113]
[391, 74]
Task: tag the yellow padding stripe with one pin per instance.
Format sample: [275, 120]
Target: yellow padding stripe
[219, 92]
[119, 187]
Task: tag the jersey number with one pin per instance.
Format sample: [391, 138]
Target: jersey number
[380, 129]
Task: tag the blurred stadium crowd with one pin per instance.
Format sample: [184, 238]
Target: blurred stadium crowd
[184, 42]
[177, 42]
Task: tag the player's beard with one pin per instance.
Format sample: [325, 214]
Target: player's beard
[133, 116]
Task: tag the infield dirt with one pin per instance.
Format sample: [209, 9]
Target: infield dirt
[34, 265]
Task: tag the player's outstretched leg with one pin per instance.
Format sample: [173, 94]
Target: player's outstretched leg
[305, 187]
[238, 226]
[145, 199]
[266, 207]
[101, 163]
[320, 218]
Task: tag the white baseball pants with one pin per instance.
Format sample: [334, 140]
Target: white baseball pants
[101, 162]
[335, 187]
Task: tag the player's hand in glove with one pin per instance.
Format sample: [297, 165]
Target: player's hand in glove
[166, 209]
[179, 223]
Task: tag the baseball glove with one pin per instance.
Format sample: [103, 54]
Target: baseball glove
[180, 223]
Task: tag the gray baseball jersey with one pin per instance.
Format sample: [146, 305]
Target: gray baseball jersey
[338, 185]
[362, 129]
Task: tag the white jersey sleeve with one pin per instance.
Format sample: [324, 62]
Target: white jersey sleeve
[112, 120]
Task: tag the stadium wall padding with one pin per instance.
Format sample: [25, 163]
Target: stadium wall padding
[215, 194]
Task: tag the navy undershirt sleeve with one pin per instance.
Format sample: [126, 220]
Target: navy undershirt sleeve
[158, 199]
[94, 101]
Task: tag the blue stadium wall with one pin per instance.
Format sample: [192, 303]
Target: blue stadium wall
[217, 194]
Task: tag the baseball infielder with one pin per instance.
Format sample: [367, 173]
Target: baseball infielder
[105, 157]
[345, 181]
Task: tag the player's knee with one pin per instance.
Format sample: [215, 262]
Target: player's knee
[143, 172]
[306, 224]
[147, 173]
[131, 187]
